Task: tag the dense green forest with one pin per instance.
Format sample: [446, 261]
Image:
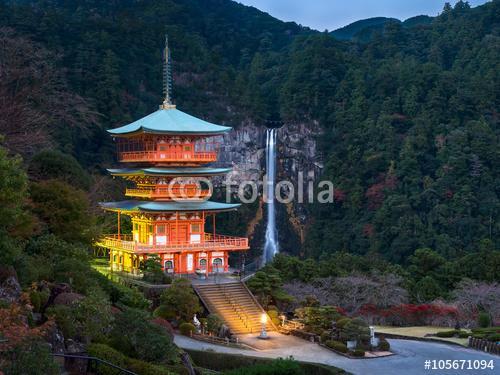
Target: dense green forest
[409, 118]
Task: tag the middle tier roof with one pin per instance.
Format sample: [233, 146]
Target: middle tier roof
[158, 171]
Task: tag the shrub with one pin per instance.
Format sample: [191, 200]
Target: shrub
[276, 367]
[165, 312]
[337, 345]
[325, 336]
[109, 354]
[136, 336]
[463, 334]
[187, 329]
[384, 345]
[483, 320]
[358, 353]
[181, 296]
[493, 337]
[31, 357]
[451, 333]
[214, 322]
[145, 368]
[356, 329]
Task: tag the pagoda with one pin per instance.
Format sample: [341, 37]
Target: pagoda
[166, 155]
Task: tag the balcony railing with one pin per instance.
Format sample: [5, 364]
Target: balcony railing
[173, 192]
[167, 156]
[125, 242]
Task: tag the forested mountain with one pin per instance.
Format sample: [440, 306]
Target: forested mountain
[349, 31]
[409, 118]
[364, 30]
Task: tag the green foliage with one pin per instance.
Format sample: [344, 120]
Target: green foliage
[384, 345]
[187, 329]
[52, 164]
[276, 367]
[113, 356]
[214, 323]
[153, 272]
[165, 312]
[358, 353]
[14, 219]
[182, 298]
[63, 209]
[341, 323]
[108, 354]
[88, 319]
[145, 368]
[356, 329]
[31, 357]
[317, 319]
[451, 333]
[144, 340]
[267, 284]
[38, 299]
[337, 345]
[483, 320]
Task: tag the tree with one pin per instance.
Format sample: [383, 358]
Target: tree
[63, 209]
[152, 270]
[15, 221]
[52, 164]
[181, 298]
[267, 285]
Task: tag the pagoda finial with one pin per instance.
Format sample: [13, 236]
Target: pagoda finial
[167, 77]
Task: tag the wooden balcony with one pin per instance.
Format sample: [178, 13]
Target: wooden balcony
[167, 156]
[170, 193]
[209, 242]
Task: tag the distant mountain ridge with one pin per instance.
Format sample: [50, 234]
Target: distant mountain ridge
[362, 30]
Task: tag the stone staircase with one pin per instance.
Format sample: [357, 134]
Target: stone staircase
[235, 304]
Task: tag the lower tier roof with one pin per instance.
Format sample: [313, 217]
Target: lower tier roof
[146, 206]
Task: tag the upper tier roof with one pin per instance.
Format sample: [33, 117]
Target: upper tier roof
[202, 171]
[187, 206]
[170, 121]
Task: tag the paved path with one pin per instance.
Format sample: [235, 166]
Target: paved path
[409, 356]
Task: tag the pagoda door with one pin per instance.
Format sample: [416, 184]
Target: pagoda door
[180, 235]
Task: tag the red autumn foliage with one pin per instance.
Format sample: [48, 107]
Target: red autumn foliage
[339, 196]
[15, 328]
[376, 193]
[409, 314]
[368, 230]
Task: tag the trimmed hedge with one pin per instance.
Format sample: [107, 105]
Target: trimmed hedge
[358, 353]
[225, 362]
[451, 333]
[337, 345]
[187, 329]
[384, 345]
[119, 359]
[109, 354]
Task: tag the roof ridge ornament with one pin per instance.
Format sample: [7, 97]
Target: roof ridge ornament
[167, 77]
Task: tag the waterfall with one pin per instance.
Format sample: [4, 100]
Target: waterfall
[271, 244]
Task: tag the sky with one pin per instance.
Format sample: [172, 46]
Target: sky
[332, 14]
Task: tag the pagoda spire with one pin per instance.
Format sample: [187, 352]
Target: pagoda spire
[167, 77]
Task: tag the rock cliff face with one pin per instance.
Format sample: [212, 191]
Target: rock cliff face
[299, 162]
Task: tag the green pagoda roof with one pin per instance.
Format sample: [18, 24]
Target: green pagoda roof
[170, 121]
[145, 206]
[202, 171]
